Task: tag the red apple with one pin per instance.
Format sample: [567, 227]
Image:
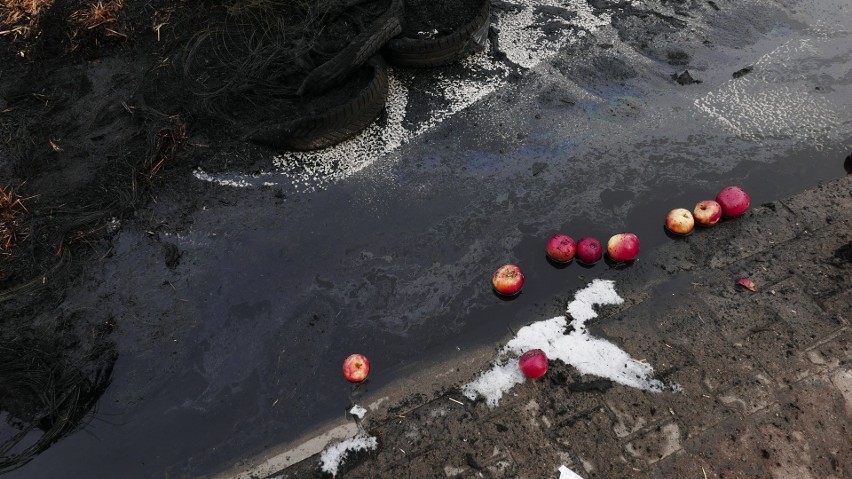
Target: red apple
[561, 248]
[623, 247]
[533, 363]
[589, 251]
[707, 212]
[679, 221]
[734, 201]
[508, 280]
[356, 368]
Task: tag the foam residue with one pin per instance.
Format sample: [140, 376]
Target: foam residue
[777, 98]
[565, 473]
[358, 411]
[522, 39]
[589, 355]
[333, 456]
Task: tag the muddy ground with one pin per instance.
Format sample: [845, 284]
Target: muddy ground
[188, 303]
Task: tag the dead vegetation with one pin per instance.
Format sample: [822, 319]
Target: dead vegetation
[19, 18]
[96, 22]
[165, 140]
[12, 210]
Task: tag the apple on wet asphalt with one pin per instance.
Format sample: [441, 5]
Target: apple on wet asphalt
[356, 367]
[589, 251]
[734, 201]
[561, 248]
[508, 280]
[707, 212]
[680, 221]
[623, 247]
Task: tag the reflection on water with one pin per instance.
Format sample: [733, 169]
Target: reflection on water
[50, 381]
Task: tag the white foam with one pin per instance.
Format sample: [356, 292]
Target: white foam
[565, 473]
[333, 456]
[358, 411]
[776, 98]
[589, 355]
[521, 39]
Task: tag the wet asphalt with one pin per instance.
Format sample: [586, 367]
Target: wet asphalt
[239, 347]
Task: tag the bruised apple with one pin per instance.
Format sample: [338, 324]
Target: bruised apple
[508, 280]
[707, 212]
[561, 248]
[356, 368]
[680, 221]
[623, 247]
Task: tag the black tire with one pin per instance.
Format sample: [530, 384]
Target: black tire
[325, 128]
[443, 50]
[362, 48]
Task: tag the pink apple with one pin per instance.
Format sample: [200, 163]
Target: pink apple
[533, 363]
[589, 251]
[356, 368]
[623, 247]
[707, 212]
[561, 248]
[734, 201]
[508, 280]
[680, 221]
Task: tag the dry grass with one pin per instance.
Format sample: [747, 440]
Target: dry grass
[19, 18]
[99, 18]
[165, 139]
[12, 210]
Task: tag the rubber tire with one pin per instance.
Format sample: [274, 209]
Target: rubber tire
[363, 47]
[443, 50]
[330, 127]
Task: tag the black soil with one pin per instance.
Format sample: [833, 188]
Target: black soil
[423, 18]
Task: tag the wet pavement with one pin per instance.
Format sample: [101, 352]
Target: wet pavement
[238, 347]
[764, 386]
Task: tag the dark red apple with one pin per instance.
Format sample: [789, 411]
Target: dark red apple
[707, 212]
[533, 363]
[734, 201]
[589, 251]
[623, 247]
[356, 368]
[508, 280]
[561, 248]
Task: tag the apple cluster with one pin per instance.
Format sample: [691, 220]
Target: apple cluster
[731, 202]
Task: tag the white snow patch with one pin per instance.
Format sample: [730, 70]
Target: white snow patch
[578, 348]
[358, 411]
[565, 473]
[333, 456]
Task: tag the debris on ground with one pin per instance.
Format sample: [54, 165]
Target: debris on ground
[747, 284]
